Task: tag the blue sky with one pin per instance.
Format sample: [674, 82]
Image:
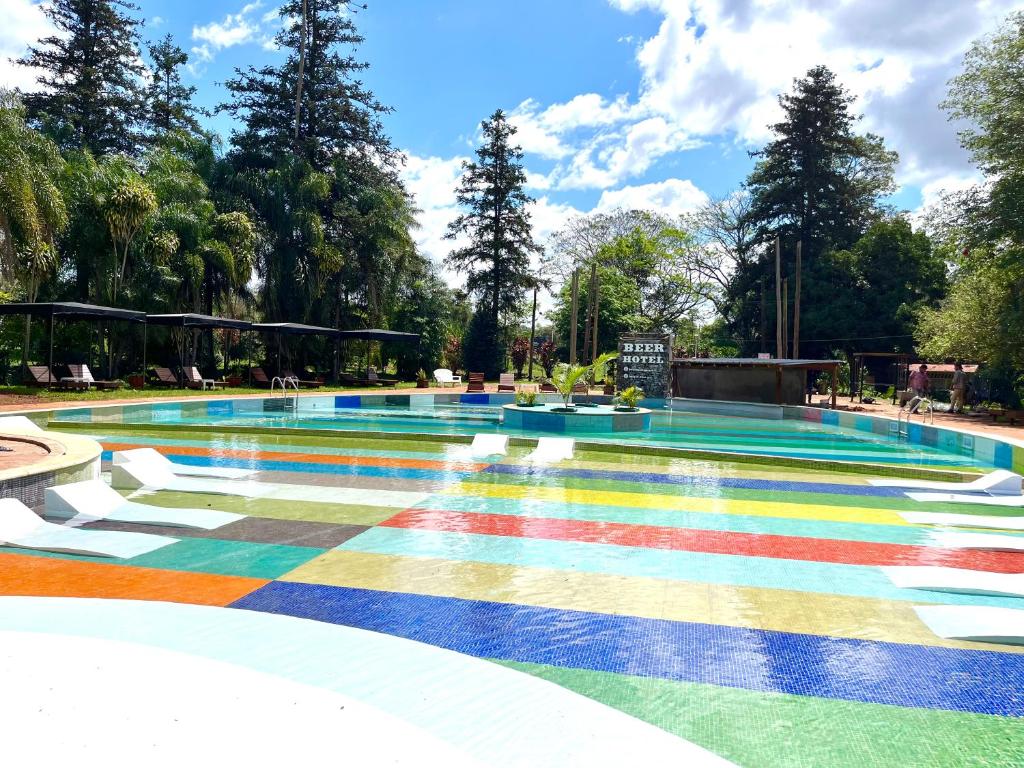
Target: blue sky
[633, 103]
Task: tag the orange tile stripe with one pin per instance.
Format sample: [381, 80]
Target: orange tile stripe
[312, 458]
[52, 577]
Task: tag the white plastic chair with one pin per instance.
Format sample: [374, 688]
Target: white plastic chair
[999, 482]
[552, 449]
[21, 527]
[445, 378]
[960, 580]
[137, 476]
[92, 500]
[153, 456]
[485, 445]
[982, 624]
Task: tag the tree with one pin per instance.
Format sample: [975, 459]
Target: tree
[170, 102]
[519, 352]
[495, 221]
[724, 234]
[90, 96]
[424, 306]
[618, 310]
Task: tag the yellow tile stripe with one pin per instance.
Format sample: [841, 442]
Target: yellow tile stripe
[747, 607]
[681, 503]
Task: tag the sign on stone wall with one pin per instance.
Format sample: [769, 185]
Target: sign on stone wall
[645, 362]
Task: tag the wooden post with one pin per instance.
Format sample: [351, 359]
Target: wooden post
[597, 304]
[835, 386]
[785, 317]
[575, 292]
[764, 317]
[533, 329]
[779, 352]
[796, 303]
[778, 385]
[589, 324]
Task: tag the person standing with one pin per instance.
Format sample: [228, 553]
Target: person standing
[919, 384]
[958, 389]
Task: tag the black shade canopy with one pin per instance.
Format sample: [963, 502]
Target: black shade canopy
[72, 310]
[376, 334]
[296, 329]
[191, 320]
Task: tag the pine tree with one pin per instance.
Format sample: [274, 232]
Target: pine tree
[170, 102]
[336, 116]
[497, 258]
[90, 96]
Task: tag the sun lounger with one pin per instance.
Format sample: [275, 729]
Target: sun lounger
[1001, 482]
[547, 386]
[989, 541]
[164, 377]
[42, 376]
[259, 377]
[23, 528]
[194, 380]
[475, 383]
[135, 476]
[18, 424]
[506, 382]
[966, 498]
[982, 624]
[153, 456]
[960, 580]
[81, 373]
[965, 521]
[92, 500]
[488, 445]
[305, 383]
[552, 449]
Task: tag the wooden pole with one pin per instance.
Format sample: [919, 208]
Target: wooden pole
[785, 317]
[575, 291]
[597, 304]
[589, 324]
[533, 329]
[764, 316]
[796, 303]
[779, 352]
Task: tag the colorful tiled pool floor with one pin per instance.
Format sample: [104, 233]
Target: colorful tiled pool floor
[740, 607]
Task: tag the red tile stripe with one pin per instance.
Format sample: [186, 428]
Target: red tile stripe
[711, 542]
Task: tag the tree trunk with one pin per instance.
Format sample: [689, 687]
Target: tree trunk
[302, 66]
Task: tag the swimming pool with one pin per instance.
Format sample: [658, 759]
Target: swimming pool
[806, 434]
[738, 606]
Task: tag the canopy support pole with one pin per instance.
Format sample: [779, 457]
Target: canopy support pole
[50, 361]
[145, 339]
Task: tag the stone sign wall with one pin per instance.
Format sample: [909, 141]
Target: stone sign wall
[645, 362]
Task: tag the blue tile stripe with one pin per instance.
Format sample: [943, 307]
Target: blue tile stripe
[702, 482]
[779, 662]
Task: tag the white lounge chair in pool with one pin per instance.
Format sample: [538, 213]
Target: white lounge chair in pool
[1000, 482]
[18, 424]
[552, 449]
[966, 498]
[445, 378]
[135, 476]
[21, 527]
[485, 445]
[92, 500]
[981, 624]
[990, 541]
[1004, 522]
[153, 456]
[940, 579]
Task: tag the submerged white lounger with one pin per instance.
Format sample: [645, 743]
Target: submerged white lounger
[991, 541]
[135, 476]
[1000, 482]
[485, 445]
[966, 498]
[551, 449]
[19, 424]
[968, 622]
[941, 579]
[92, 500]
[21, 527]
[1005, 522]
[153, 456]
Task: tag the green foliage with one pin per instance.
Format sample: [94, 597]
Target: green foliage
[90, 96]
[480, 348]
[567, 375]
[526, 398]
[618, 310]
[630, 396]
[169, 102]
[519, 352]
[548, 351]
[423, 306]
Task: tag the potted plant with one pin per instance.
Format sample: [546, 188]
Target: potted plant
[136, 380]
[234, 378]
[567, 376]
[609, 384]
[526, 399]
[628, 398]
[422, 382]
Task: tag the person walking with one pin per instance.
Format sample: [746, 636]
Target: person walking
[957, 389]
[919, 384]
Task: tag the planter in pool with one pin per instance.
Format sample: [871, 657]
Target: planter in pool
[551, 417]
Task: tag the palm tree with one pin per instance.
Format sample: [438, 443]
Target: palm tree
[568, 375]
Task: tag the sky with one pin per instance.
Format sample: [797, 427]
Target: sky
[619, 103]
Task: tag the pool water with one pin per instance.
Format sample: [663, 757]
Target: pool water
[789, 438]
[738, 606]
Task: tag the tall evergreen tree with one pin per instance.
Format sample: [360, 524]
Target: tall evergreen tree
[170, 106]
[818, 183]
[90, 96]
[497, 224]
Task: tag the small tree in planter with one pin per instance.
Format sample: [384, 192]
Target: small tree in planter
[547, 358]
[421, 379]
[628, 398]
[519, 351]
[567, 376]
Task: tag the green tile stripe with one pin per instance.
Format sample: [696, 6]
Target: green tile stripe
[770, 730]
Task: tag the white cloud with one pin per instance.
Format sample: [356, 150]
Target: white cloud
[23, 25]
[235, 29]
[671, 197]
[155, 22]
